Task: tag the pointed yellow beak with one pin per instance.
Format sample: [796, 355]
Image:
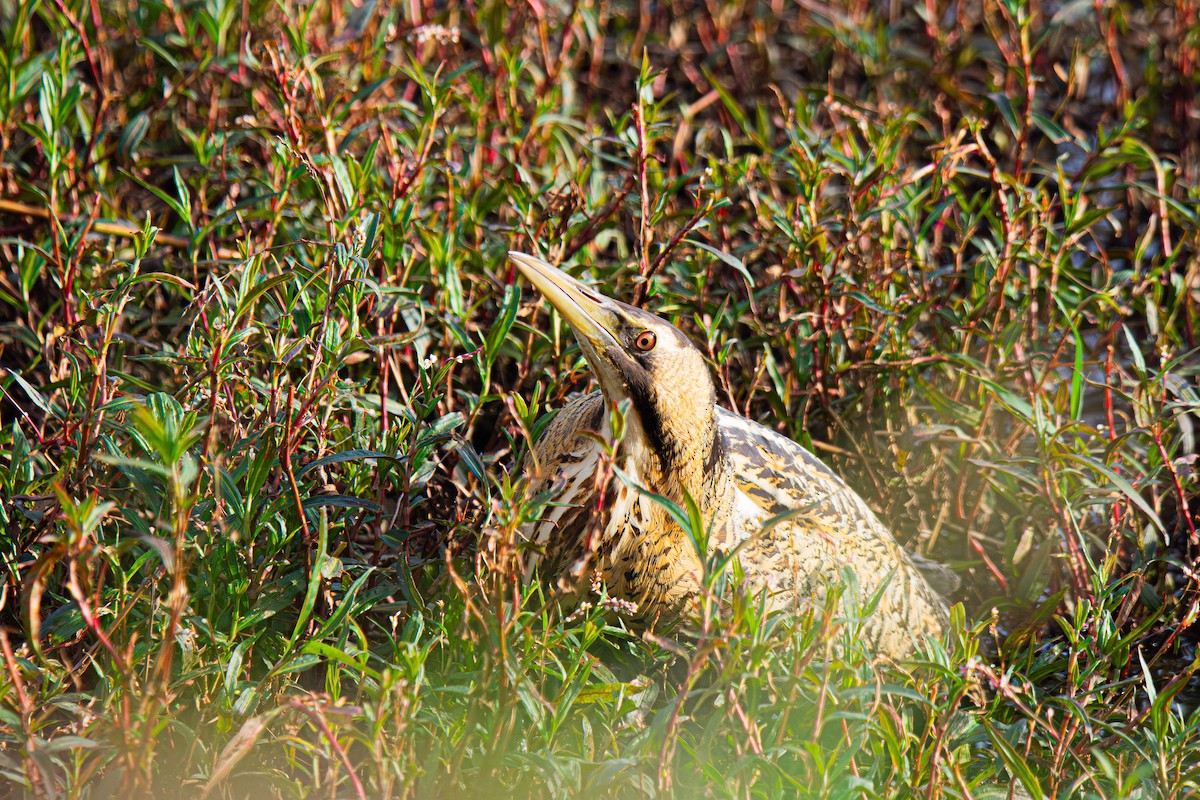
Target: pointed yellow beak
[592, 316]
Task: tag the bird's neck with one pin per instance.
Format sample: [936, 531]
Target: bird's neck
[692, 464]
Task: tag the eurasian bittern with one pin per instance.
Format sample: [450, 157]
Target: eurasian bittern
[740, 474]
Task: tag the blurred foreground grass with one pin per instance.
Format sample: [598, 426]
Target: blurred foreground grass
[267, 381]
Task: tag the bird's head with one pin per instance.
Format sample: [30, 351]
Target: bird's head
[639, 357]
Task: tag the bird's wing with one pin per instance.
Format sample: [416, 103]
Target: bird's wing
[564, 442]
[830, 528]
[780, 476]
[565, 460]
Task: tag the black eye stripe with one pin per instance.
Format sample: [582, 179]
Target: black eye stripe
[641, 391]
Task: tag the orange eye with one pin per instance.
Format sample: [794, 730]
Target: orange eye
[645, 341]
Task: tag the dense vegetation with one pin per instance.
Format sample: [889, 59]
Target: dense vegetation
[268, 379]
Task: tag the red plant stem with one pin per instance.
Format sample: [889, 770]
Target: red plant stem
[645, 270]
[319, 720]
[1114, 52]
[93, 624]
[36, 778]
[585, 236]
[992, 568]
[1184, 510]
[1109, 416]
[678, 237]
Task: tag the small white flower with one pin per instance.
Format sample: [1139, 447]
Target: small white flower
[579, 611]
[439, 33]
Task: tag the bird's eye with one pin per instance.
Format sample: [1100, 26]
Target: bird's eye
[645, 341]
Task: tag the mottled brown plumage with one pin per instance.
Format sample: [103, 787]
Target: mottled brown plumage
[741, 474]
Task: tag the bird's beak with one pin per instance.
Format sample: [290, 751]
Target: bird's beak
[592, 316]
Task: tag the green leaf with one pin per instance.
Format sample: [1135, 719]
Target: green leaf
[348, 455]
[34, 395]
[332, 625]
[1122, 484]
[372, 230]
[259, 289]
[1007, 113]
[1053, 131]
[1076, 396]
[339, 501]
[180, 205]
[133, 134]
[326, 651]
[726, 258]
[260, 467]
[162, 277]
[1014, 761]
[503, 324]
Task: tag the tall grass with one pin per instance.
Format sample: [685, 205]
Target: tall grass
[268, 381]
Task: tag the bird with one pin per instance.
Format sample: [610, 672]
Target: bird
[796, 527]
